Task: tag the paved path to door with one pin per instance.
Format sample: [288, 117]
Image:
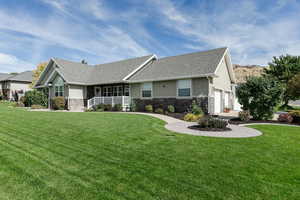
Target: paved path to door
[180, 126]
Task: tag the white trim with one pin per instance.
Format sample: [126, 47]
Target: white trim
[42, 74]
[140, 67]
[141, 91]
[50, 77]
[191, 89]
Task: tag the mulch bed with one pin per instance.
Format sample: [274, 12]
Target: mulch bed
[237, 121]
[197, 127]
[177, 115]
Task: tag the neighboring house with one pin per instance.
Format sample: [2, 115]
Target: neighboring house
[14, 86]
[206, 77]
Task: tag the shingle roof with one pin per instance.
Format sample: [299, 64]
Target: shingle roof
[22, 77]
[26, 76]
[182, 66]
[187, 65]
[4, 76]
[98, 74]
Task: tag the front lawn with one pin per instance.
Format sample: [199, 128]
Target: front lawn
[57, 155]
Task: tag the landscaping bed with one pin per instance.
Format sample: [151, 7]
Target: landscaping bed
[199, 128]
[238, 121]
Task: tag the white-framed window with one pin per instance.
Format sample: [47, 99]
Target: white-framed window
[126, 90]
[107, 91]
[147, 90]
[59, 87]
[184, 88]
[118, 90]
[59, 91]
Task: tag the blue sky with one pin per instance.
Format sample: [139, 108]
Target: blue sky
[99, 31]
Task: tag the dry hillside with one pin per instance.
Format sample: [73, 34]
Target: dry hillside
[242, 72]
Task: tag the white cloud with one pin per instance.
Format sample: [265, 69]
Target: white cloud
[253, 36]
[10, 63]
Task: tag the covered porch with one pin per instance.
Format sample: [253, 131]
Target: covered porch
[109, 94]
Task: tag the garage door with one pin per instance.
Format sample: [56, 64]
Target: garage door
[217, 101]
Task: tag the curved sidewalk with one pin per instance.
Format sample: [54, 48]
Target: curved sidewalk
[179, 126]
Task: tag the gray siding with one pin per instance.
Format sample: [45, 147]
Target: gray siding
[164, 89]
[135, 90]
[167, 89]
[200, 87]
[47, 75]
[223, 80]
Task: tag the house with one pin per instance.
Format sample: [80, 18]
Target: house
[12, 87]
[206, 77]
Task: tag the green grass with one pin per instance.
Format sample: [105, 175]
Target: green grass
[55, 155]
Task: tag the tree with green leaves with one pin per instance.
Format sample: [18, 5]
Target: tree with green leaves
[260, 96]
[293, 88]
[283, 69]
[37, 72]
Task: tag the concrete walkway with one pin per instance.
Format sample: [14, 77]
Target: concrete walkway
[179, 126]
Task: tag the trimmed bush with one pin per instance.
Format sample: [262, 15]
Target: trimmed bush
[22, 99]
[58, 103]
[107, 107]
[159, 111]
[190, 117]
[211, 122]
[118, 107]
[171, 108]
[244, 115]
[149, 108]
[196, 109]
[285, 117]
[37, 107]
[296, 115]
[260, 96]
[35, 97]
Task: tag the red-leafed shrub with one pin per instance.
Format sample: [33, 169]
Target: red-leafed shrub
[285, 117]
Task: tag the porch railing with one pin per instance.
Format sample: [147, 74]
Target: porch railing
[123, 100]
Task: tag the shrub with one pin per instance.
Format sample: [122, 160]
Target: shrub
[285, 117]
[133, 107]
[89, 110]
[107, 107]
[58, 103]
[118, 107]
[211, 122]
[35, 97]
[171, 108]
[244, 115]
[99, 107]
[260, 96]
[37, 107]
[295, 113]
[149, 108]
[159, 111]
[190, 117]
[195, 109]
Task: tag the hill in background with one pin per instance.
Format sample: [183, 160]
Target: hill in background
[244, 71]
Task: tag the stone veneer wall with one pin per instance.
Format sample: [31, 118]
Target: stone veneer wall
[181, 105]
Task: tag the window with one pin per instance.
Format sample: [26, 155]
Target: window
[107, 91]
[118, 90]
[147, 90]
[126, 90]
[184, 88]
[59, 91]
[59, 87]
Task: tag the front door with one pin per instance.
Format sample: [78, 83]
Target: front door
[97, 91]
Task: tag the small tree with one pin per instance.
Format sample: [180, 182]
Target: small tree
[37, 72]
[260, 96]
[283, 69]
[293, 88]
